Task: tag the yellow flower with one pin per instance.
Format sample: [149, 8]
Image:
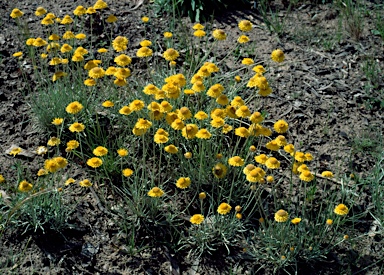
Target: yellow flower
[74, 107]
[122, 60]
[197, 219]
[144, 52]
[25, 186]
[224, 208]
[90, 82]
[306, 175]
[155, 192]
[247, 169]
[296, 220]
[42, 172]
[79, 11]
[57, 121]
[201, 115]
[219, 34]
[111, 19]
[85, 183]
[127, 172]
[281, 140]
[189, 131]
[302, 168]
[72, 145]
[198, 86]
[237, 78]
[300, 156]
[172, 149]
[122, 73]
[96, 73]
[341, 210]
[171, 54]
[272, 145]
[245, 25]
[203, 134]
[53, 141]
[16, 13]
[120, 82]
[80, 36]
[219, 170]
[281, 216]
[143, 124]
[58, 75]
[261, 159]
[222, 100]
[236, 161]
[145, 19]
[40, 11]
[159, 138]
[168, 34]
[329, 222]
[120, 43]
[243, 39]
[47, 21]
[102, 50]
[100, 151]
[281, 126]
[184, 113]
[226, 128]
[198, 26]
[243, 111]
[108, 104]
[18, 54]
[277, 56]
[68, 35]
[177, 124]
[90, 10]
[188, 155]
[125, 110]
[136, 105]
[289, 148]
[51, 165]
[199, 33]
[94, 162]
[99, 5]
[327, 174]
[242, 132]
[272, 163]
[39, 42]
[69, 181]
[183, 183]
[270, 179]
[62, 162]
[76, 127]
[258, 69]
[77, 58]
[67, 20]
[256, 175]
[202, 195]
[237, 101]
[215, 90]
[217, 122]
[122, 152]
[247, 61]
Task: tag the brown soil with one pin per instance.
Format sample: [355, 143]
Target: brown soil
[320, 90]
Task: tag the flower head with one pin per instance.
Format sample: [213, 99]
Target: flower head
[100, 151]
[72, 145]
[243, 39]
[341, 210]
[171, 149]
[203, 134]
[144, 52]
[197, 219]
[77, 127]
[25, 186]
[15, 151]
[85, 183]
[296, 220]
[16, 13]
[183, 183]
[155, 192]
[120, 43]
[79, 11]
[171, 54]
[145, 19]
[111, 19]
[272, 163]
[281, 216]
[99, 5]
[306, 175]
[122, 60]
[245, 26]
[327, 174]
[40, 11]
[281, 126]
[224, 208]
[96, 72]
[53, 141]
[127, 172]
[189, 131]
[219, 34]
[74, 107]
[236, 161]
[168, 35]
[219, 170]
[94, 162]
[278, 55]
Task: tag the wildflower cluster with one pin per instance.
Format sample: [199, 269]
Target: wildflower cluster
[173, 134]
